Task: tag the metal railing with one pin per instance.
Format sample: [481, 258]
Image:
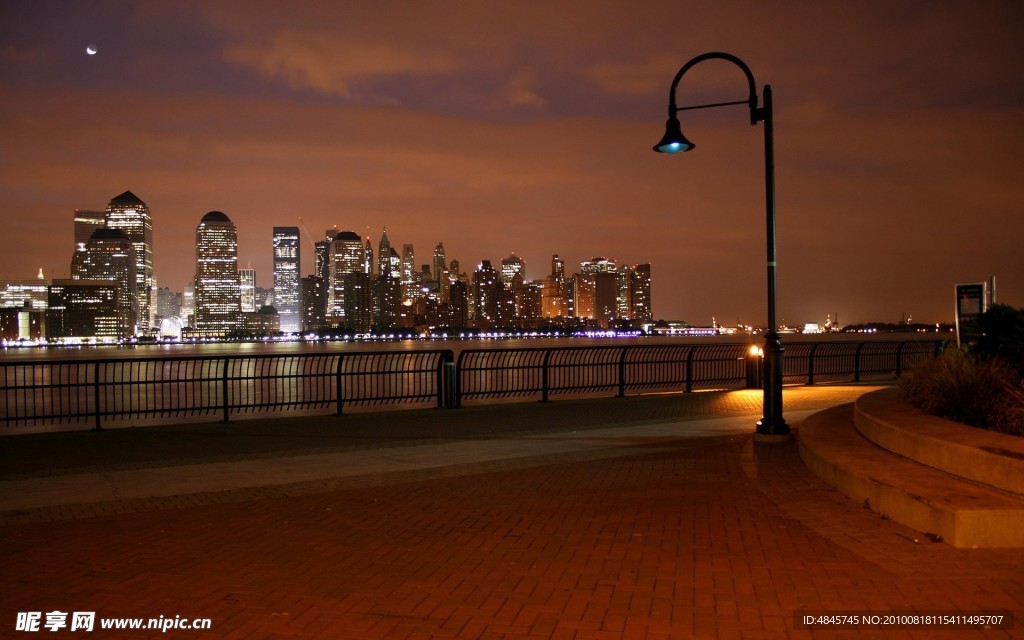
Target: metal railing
[490, 374]
[122, 390]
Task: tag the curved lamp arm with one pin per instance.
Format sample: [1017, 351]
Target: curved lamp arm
[674, 141]
[755, 114]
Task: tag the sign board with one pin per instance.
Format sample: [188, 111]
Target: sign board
[971, 302]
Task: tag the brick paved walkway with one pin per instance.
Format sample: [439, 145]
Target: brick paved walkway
[639, 538]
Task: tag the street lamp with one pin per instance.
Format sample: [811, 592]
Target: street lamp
[772, 427]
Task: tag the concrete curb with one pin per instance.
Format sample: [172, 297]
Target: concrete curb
[991, 458]
[961, 512]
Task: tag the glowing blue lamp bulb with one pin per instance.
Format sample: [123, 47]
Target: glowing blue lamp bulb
[673, 141]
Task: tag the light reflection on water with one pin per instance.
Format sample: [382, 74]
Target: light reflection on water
[456, 346]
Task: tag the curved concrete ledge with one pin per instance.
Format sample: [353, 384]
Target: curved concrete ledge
[991, 458]
[963, 513]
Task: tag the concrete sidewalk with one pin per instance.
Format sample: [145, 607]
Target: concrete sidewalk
[647, 517]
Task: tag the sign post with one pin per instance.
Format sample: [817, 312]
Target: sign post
[971, 302]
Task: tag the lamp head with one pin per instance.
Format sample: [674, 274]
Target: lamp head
[673, 141]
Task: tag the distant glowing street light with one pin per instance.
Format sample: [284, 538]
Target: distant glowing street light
[772, 427]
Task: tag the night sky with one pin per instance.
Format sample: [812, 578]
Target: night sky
[527, 127]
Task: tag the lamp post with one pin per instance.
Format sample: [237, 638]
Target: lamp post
[772, 427]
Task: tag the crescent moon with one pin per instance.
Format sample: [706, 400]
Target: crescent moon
[91, 50]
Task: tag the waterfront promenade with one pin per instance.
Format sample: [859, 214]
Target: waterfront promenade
[638, 517]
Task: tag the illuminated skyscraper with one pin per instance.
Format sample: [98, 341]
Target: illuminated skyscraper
[358, 300]
[130, 214]
[441, 274]
[458, 305]
[311, 296]
[218, 289]
[640, 293]
[486, 294]
[408, 268]
[384, 256]
[553, 295]
[286, 277]
[440, 266]
[346, 256]
[584, 290]
[387, 299]
[511, 266]
[247, 290]
[110, 256]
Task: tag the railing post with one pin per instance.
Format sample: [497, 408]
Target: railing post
[96, 394]
[544, 376]
[810, 363]
[689, 369]
[458, 380]
[899, 359]
[622, 372]
[856, 362]
[338, 387]
[225, 390]
[446, 381]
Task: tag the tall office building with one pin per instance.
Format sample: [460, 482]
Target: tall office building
[346, 257]
[440, 266]
[640, 293]
[247, 290]
[286, 277]
[218, 289]
[368, 250]
[553, 295]
[358, 300]
[558, 267]
[458, 305]
[486, 294]
[311, 297]
[584, 290]
[86, 222]
[387, 300]
[130, 214]
[110, 256]
[384, 255]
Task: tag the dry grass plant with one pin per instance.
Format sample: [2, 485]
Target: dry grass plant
[958, 386]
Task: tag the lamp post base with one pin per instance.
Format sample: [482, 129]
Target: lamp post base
[772, 438]
[772, 424]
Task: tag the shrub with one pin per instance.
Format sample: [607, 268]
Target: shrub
[982, 392]
[1002, 329]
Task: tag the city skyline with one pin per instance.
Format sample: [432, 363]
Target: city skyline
[102, 298]
[504, 129]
